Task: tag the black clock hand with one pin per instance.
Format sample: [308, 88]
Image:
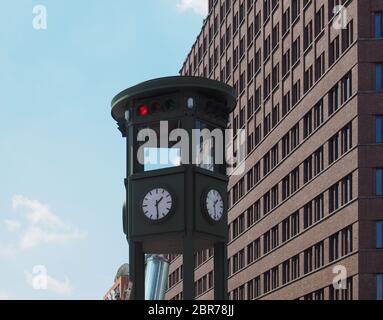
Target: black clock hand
[157, 203]
[158, 214]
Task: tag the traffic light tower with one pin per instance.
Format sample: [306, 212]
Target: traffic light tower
[176, 206]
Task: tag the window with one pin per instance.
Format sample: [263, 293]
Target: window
[318, 114]
[379, 182]
[307, 124]
[266, 242]
[319, 21]
[274, 156]
[275, 278]
[346, 294]
[333, 148]
[286, 187]
[241, 259]
[379, 235]
[296, 50]
[286, 272]
[295, 9]
[334, 51]
[285, 145]
[379, 129]
[308, 35]
[266, 9]
[274, 237]
[347, 36]
[318, 208]
[346, 83]
[334, 198]
[318, 161]
[286, 63]
[286, 230]
[308, 215]
[318, 255]
[295, 180]
[346, 135]
[266, 48]
[286, 104]
[275, 75]
[308, 260]
[295, 136]
[379, 287]
[267, 282]
[295, 273]
[379, 76]
[275, 116]
[295, 224]
[319, 66]
[346, 235]
[266, 164]
[296, 92]
[378, 24]
[308, 79]
[334, 247]
[286, 21]
[308, 169]
[275, 35]
[333, 99]
[274, 197]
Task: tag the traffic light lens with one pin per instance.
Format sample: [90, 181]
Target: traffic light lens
[156, 107]
[143, 110]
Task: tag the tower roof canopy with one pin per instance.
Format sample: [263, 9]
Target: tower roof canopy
[220, 90]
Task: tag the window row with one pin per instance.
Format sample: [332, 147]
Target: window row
[290, 270]
[338, 195]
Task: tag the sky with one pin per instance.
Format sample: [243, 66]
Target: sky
[62, 158]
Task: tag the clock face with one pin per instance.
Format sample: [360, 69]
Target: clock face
[157, 204]
[214, 205]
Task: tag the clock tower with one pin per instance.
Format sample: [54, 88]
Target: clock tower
[176, 185]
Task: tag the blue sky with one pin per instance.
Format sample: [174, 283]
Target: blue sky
[61, 156]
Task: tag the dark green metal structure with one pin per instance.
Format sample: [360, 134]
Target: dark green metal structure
[188, 103]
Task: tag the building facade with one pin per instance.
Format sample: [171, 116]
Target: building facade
[310, 97]
[122, 286]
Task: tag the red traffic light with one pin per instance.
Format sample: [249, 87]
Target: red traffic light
[143, 110]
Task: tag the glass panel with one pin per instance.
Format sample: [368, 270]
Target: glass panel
[161, 158]
[379, 287]
[378, 77]
[378, 25]
[153, 151]
[379, 235]
[209, 148]
[379, 130]
[379, 182]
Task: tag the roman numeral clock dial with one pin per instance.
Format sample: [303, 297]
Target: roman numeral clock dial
[214, 205]
[157, 204]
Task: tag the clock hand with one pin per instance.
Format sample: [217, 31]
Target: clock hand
[158, 214]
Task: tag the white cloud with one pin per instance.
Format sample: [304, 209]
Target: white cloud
[35, 236]
[43, 226]
[52, 284]
[12, 225]
[198, 6]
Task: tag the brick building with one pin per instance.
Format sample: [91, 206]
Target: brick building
[310, 89]
[122, 286]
